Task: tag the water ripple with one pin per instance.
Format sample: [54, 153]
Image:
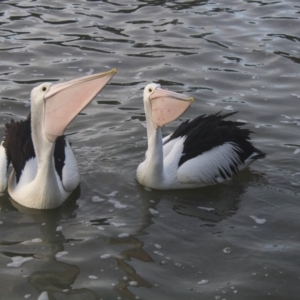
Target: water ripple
[229, 55]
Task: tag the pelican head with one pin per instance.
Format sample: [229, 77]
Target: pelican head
[56, 105]
[164, 106]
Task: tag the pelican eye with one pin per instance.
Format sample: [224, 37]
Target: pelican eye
[150, 90]
[44, 89]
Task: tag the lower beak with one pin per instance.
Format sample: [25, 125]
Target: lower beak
[64, 101]
[167, 106]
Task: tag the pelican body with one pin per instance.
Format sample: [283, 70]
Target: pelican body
[201, 152]
[45, 170]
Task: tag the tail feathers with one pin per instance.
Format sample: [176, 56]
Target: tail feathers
[257, 155]
[252, 158]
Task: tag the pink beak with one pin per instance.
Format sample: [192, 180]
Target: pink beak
[167, 106]
[64, 101]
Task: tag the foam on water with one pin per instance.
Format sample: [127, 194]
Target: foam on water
[97, 199]
[116, 224]
[112, 194]
[33, 241]
[61, 254]
[117, 204]
[105, 256]
[43, 296]
[153, 211]
[18, 261]
[59, 228]
[206, 208]
[258, 220]
[203, 281]
[123, 235]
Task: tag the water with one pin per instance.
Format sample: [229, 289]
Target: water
[116, 239]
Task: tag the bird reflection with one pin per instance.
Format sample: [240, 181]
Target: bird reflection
[47, 272]
[52, 275]
[138, 253]
[210, 204]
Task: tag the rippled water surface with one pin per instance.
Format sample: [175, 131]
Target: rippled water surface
[116, 239]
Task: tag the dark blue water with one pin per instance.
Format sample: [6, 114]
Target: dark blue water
[115, 239]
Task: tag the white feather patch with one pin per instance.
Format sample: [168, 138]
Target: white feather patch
[70, 173]
[169, 146]
[3, 168]
[248, 161]
[204, 168]
[29, 172]
[166, 138]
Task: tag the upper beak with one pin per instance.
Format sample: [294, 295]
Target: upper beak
[167, 106]
[64, 101]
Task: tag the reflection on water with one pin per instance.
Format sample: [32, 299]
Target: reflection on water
[55, 276]
[58, 258]
[114, 238]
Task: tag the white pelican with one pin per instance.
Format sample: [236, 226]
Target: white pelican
[45, 171]
[201, 152]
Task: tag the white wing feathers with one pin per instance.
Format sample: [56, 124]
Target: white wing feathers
[169, 145]
[3, 168]
[70, 174]
[206, 167]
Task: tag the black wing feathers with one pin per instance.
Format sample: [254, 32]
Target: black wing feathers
[206, 132]
[19, 147]
[59, 155]
[18, 144]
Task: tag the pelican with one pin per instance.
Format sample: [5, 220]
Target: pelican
[45, 171]
[204, 151]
